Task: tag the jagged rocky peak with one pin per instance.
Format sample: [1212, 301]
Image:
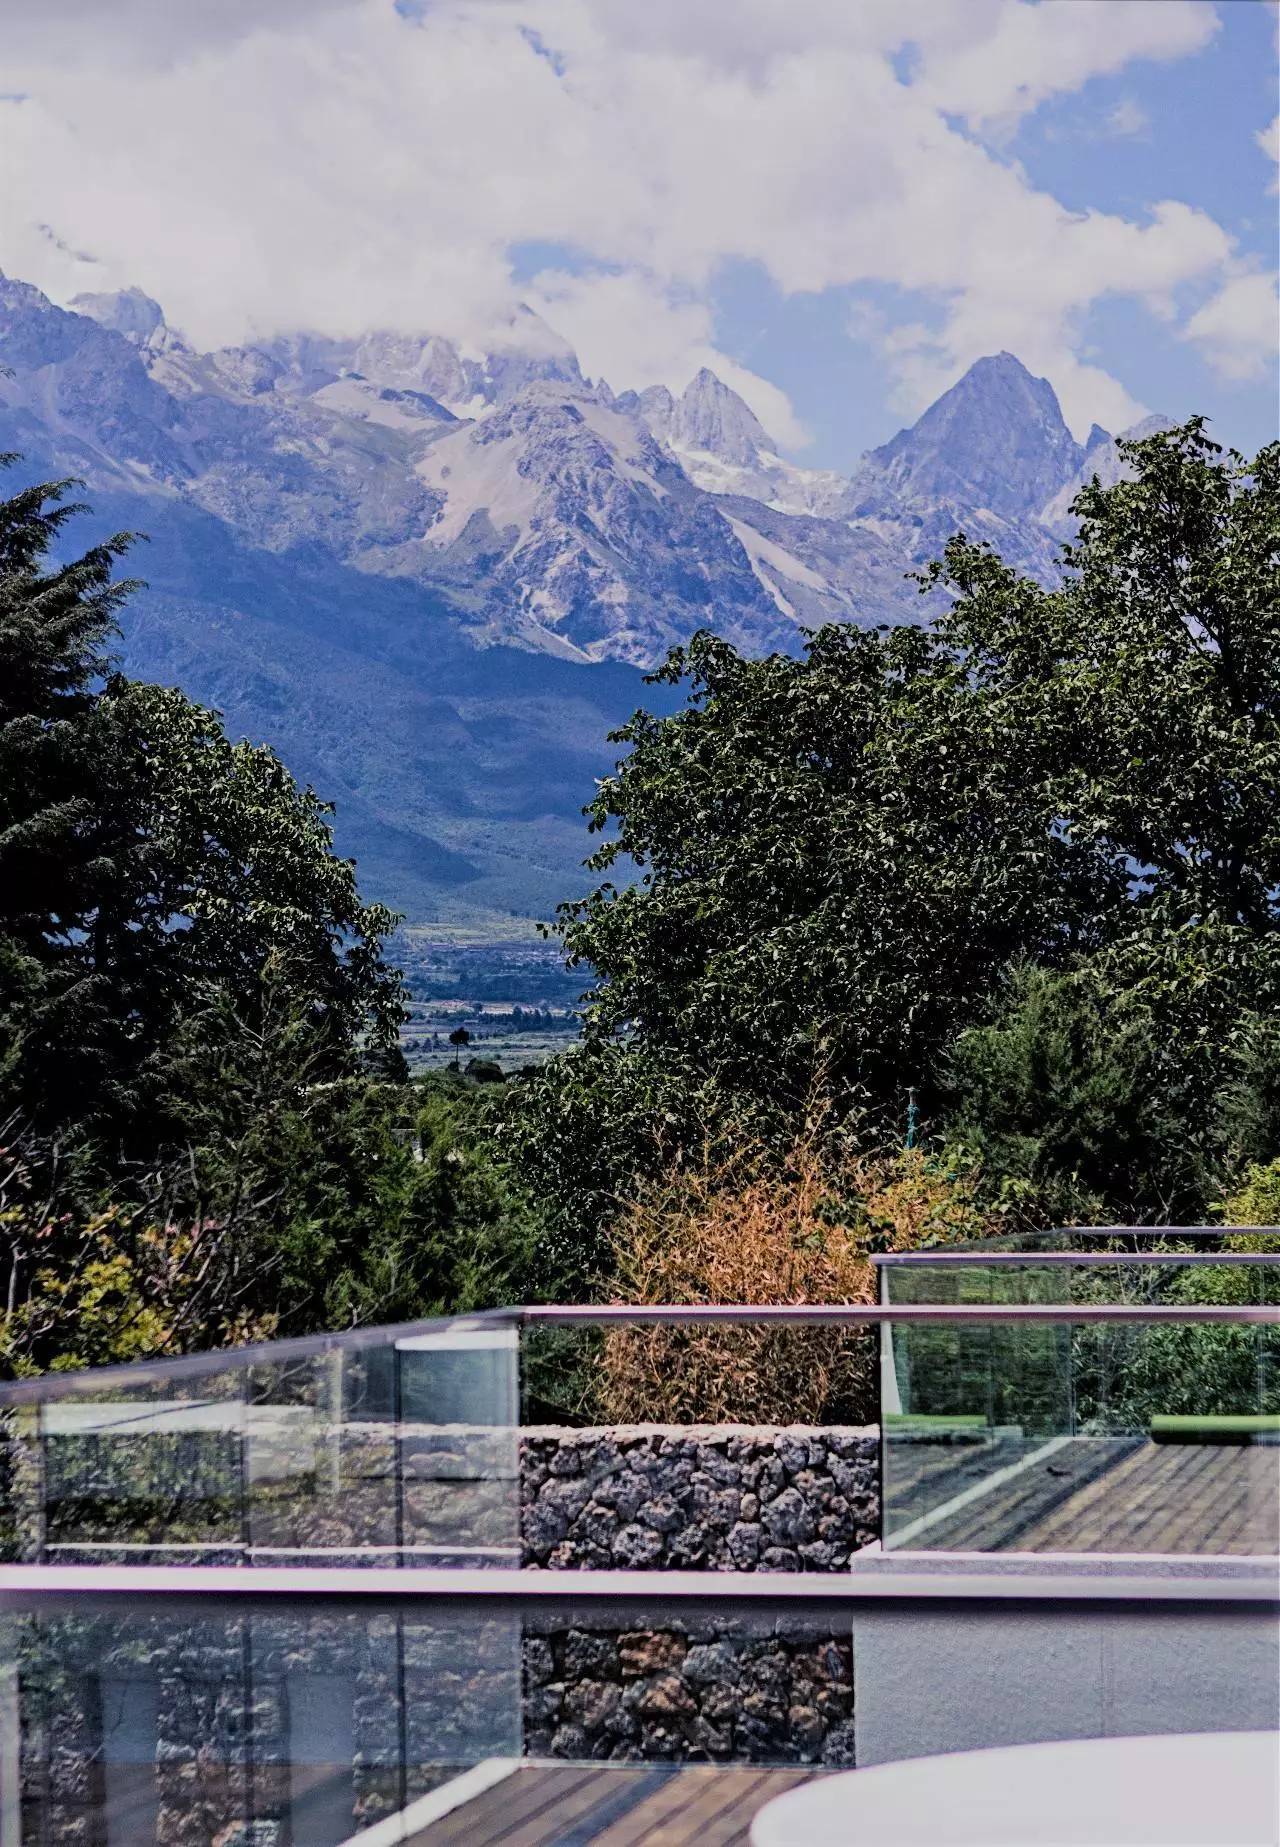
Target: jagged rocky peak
[521, 352]
[1102, 461]
[713, 419]
[247, 369]
[410, 362]
[124, 311]
[658, 408]
[996, 439]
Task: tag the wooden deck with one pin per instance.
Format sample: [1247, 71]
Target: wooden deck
[614, 1805]
[1140, 1497]
[1171, 1497]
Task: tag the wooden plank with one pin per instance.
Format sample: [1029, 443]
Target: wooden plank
[530, 1793]
[571, 1814]
[734, 1829]
[695, 1820]
[630, 1830]
[629, 1791]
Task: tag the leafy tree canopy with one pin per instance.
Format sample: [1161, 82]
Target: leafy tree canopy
[843, 856]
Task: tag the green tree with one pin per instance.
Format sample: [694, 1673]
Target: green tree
[841, 857]
[151, 873]
[196, 1016]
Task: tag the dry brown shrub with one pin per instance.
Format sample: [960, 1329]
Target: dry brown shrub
[750, 1231]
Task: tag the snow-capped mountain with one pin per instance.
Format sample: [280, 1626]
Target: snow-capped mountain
[458, 506]
[723, 448]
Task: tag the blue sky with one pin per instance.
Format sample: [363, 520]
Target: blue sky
[838, 204]
[1186, 129]
[1198, 144]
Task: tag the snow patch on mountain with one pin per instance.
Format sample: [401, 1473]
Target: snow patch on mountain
[394, 409]
[771, 561]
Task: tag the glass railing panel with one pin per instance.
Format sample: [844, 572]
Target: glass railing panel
[1157, 1436]
[460, 1445]
[113, 1473]
[401, 1446]
[1236, 1272]
[304, 1722]
[1092, 1239]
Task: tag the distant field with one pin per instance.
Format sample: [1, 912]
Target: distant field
[512, 994]
[514, 1033]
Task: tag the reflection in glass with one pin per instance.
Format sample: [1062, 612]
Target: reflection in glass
[301, 1725]
[1150, 1437]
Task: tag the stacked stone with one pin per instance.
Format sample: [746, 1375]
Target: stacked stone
[427, 1693]
[699, 1690]
[713, 1497]
[721, 1497]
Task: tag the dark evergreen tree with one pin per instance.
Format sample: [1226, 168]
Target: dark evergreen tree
[164, 892]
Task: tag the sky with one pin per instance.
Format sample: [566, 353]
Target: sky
[836, 204]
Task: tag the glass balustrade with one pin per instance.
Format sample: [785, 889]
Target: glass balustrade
[393, 1447]
[1155, 1434]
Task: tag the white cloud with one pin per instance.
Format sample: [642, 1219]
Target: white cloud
[1268, 139]
[339, 167]
[626, 328]
[1126, 119]
[138, 33]
[1238, 327]
[1036, 51]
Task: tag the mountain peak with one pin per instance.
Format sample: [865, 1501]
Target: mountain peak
[713, 419]
[124, 311]
[996, 439]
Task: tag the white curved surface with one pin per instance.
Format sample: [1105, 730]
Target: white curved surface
[1210, 1789]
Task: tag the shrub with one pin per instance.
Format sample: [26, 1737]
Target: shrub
[742, 1228]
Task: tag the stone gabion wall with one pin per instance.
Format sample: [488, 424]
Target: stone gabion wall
[698, 1689]
[712, 1497]
[721, 1497]
[347, 1492]
[727, 1687]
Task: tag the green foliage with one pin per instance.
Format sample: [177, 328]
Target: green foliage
[843, 857]
[88, 1281]
[1130, 1083]
[397, 1207]
[210, 1129]
[1257, 1200]
[150, 871]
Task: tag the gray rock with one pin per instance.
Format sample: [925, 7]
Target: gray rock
[569, 1741]
[779, 1558]
[743, 1545]
[711, 1664]
[539, 1660]
[637, 1546]
[588, 1656]
[788, 1519]
[838, 1747]
[662, 1515]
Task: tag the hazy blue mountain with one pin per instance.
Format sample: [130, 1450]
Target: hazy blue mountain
[997, 439]
[429, 577]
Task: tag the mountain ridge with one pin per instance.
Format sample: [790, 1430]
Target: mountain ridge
[355, 543]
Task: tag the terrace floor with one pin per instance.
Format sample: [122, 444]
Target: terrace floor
[1171, 1497]
[1144, 1497]
[614, 1805]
